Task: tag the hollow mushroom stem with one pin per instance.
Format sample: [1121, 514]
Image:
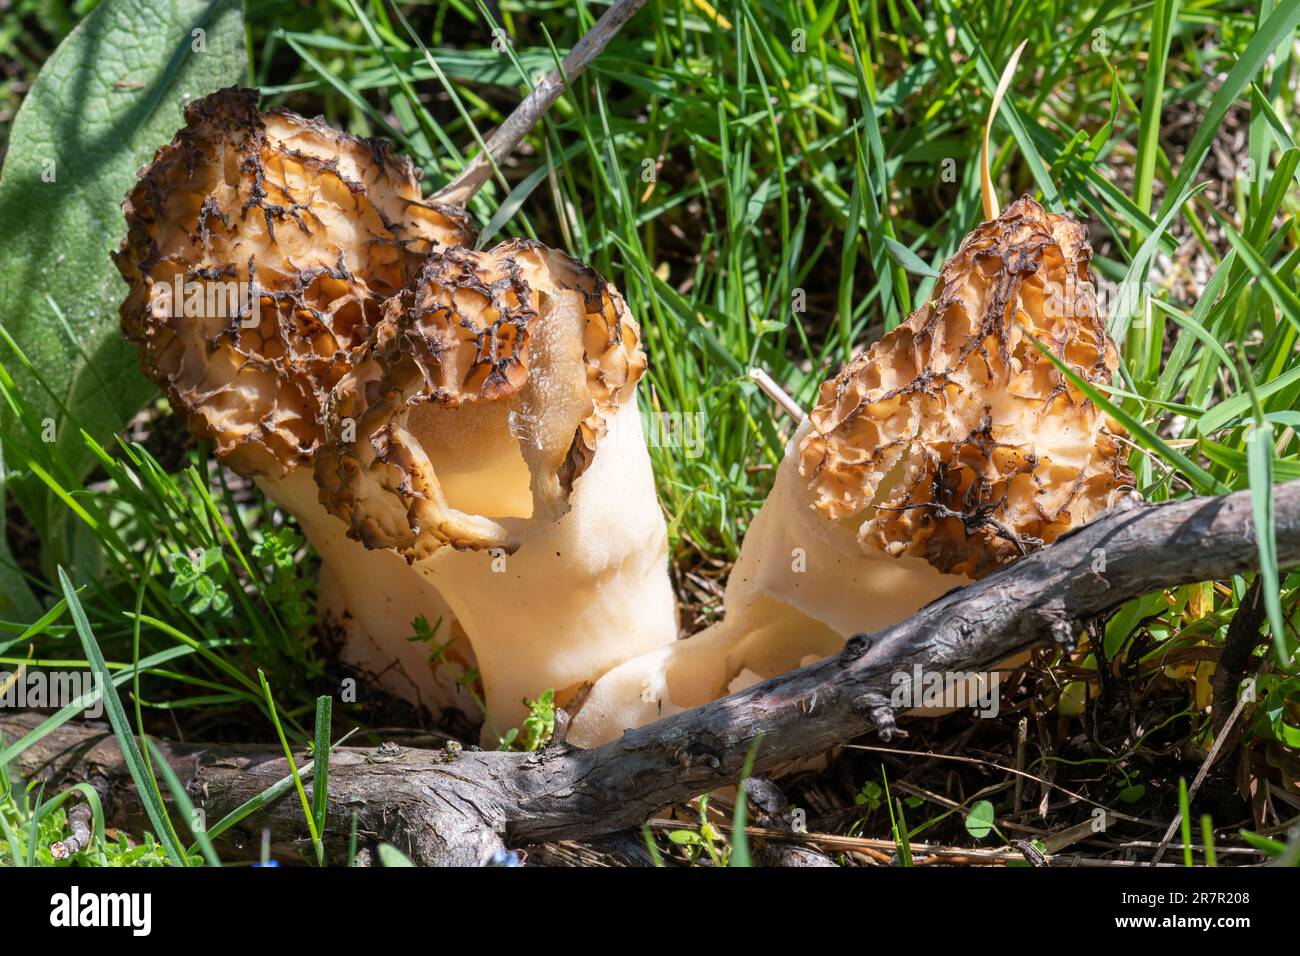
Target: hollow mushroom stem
[952, 447]
[490, 435]
[375, 597]
[801, 586]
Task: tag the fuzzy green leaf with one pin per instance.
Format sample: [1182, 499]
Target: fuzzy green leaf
[109, 96]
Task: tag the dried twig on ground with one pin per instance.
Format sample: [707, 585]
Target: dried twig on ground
[442, 810]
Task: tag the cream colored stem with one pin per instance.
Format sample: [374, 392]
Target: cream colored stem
[457, 812]
[375, 598]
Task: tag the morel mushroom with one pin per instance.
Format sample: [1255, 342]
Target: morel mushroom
[260, 248]
[952, 447]
[490, 434]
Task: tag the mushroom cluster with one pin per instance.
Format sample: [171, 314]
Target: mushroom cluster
[317, 320]
[456, 430]
[951, 447]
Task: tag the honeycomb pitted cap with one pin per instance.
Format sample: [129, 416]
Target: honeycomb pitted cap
[954, 438]
[260, 247]
[532, 350]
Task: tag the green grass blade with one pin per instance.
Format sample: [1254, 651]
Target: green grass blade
[64, 714]
[1260, 457]
[321, 772]
[1207, 839]
[1185, 822]
[293, 770]
[740, 839]
[134, 759]
[1278, 27]
[391, 856]
[184, 805]
[1193, 471]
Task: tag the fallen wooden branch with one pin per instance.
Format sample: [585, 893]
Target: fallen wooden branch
[442, 809]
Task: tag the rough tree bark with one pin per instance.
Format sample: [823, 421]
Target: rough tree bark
[444, 810]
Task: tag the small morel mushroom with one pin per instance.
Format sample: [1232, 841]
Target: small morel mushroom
[489, 433]
[951, 447]
[259, 251]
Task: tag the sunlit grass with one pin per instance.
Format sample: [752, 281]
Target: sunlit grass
[774, 186]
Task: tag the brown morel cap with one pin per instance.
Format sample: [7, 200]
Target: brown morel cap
[525, 329]
[260, 247]
[954, 438]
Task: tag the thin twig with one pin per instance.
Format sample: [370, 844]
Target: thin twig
[80, 833]
[509, 134]
[1022, 739]
[1238, 644]
[882, 849]
[1048, 784]
[459, 809]
[1223, 735]
[777, 394]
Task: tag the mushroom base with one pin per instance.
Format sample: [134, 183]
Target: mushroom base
[802, 586]
[375, 597]
[581, 594]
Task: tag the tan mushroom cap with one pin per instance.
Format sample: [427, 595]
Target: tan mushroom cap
[285, 236]
[954, 438]
[483, 396]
